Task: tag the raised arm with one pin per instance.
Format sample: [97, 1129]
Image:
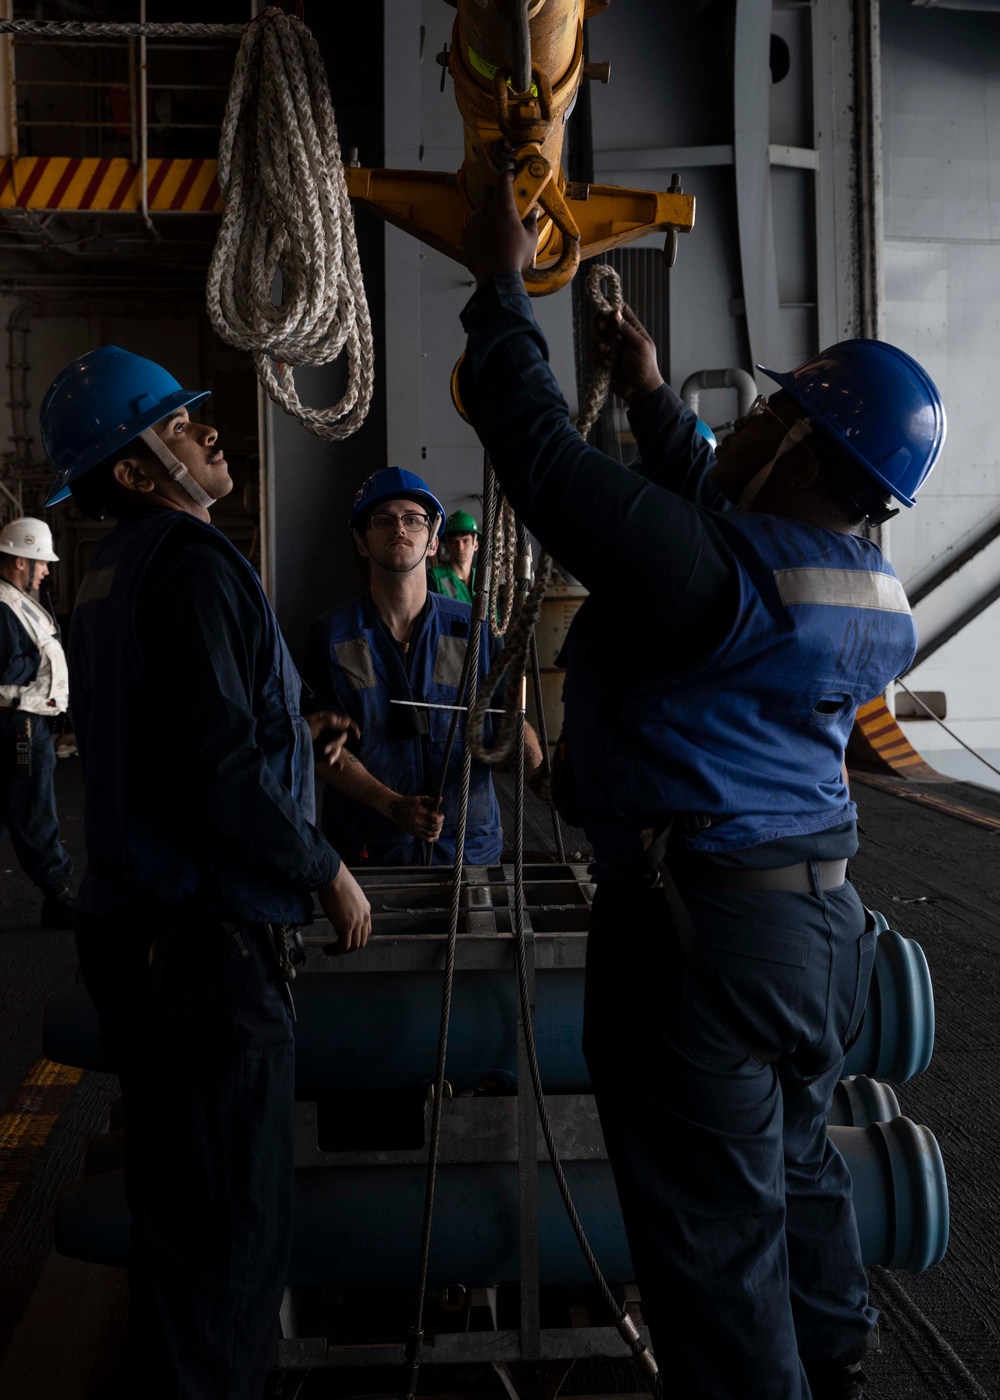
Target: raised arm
[580, 503]
[671, 452]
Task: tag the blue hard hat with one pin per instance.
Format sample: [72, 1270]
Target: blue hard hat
[879, 404]
[702, 427]
[100, 403]
[394, 483]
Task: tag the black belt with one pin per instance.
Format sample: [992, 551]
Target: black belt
[796, 879]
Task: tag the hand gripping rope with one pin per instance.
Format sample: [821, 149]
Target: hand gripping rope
[287, 212]
[516, 655]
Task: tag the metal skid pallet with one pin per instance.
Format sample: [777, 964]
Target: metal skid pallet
[410, 908]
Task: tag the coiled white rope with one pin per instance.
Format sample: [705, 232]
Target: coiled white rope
[287, 212]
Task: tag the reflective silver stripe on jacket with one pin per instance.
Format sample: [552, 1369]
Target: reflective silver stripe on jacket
[841, 588]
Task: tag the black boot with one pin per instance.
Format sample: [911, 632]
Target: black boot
[57, 906]
[842, 1378]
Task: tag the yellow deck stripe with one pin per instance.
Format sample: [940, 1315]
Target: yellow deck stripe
[25, 1129]
[48, 1072]
[895, 750]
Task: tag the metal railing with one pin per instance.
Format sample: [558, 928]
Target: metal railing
[129, 108]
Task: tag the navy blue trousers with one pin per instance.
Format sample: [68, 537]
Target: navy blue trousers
[28, 801]
[203, 1045]
[737, 1206]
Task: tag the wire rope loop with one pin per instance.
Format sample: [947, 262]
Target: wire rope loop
[288, 216]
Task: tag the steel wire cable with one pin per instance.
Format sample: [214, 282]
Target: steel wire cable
[624, 1325]
[543, 739]
[287, 213]
[491, 502]
[526, 617]
[415, 1339]
[931, 715]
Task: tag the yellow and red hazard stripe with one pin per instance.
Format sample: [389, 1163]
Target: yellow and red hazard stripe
[878, 738]
[65, 183]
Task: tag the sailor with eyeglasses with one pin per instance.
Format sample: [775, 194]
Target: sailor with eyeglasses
[392, 660]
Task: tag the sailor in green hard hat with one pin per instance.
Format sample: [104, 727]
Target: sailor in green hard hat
[457, 578]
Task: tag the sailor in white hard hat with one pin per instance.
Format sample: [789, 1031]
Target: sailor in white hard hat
[33, 690]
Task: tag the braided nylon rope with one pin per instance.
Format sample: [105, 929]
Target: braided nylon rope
[513, 660]
[287, 211]
[609, 302]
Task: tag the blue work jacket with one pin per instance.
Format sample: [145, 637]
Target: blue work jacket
[354, 666]
[731, 691]
[198, 764]
[752, 735]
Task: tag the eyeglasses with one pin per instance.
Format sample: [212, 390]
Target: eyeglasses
[383, 522]
[790, 439]
[760, 405]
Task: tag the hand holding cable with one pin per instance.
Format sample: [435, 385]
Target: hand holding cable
[417, 815]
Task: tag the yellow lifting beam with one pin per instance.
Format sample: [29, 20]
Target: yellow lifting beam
[524, 125]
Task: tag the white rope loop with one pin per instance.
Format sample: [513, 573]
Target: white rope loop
[609, 302]
[287, 213]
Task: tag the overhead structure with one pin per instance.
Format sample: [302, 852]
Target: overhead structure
[517, 66]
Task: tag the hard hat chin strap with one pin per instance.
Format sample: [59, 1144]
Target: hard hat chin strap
[177, 470]
[791, 439]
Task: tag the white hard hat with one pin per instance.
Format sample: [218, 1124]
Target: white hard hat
[28, 538]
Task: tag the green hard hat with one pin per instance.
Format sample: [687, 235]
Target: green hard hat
[460, 522]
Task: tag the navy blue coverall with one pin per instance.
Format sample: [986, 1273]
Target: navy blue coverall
[198, 796]
[355, 666]
[27, 792]
[738, 1208]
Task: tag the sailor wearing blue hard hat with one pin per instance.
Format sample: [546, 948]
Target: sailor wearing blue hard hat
[392, 660]
[202, 856]
[728, 956]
